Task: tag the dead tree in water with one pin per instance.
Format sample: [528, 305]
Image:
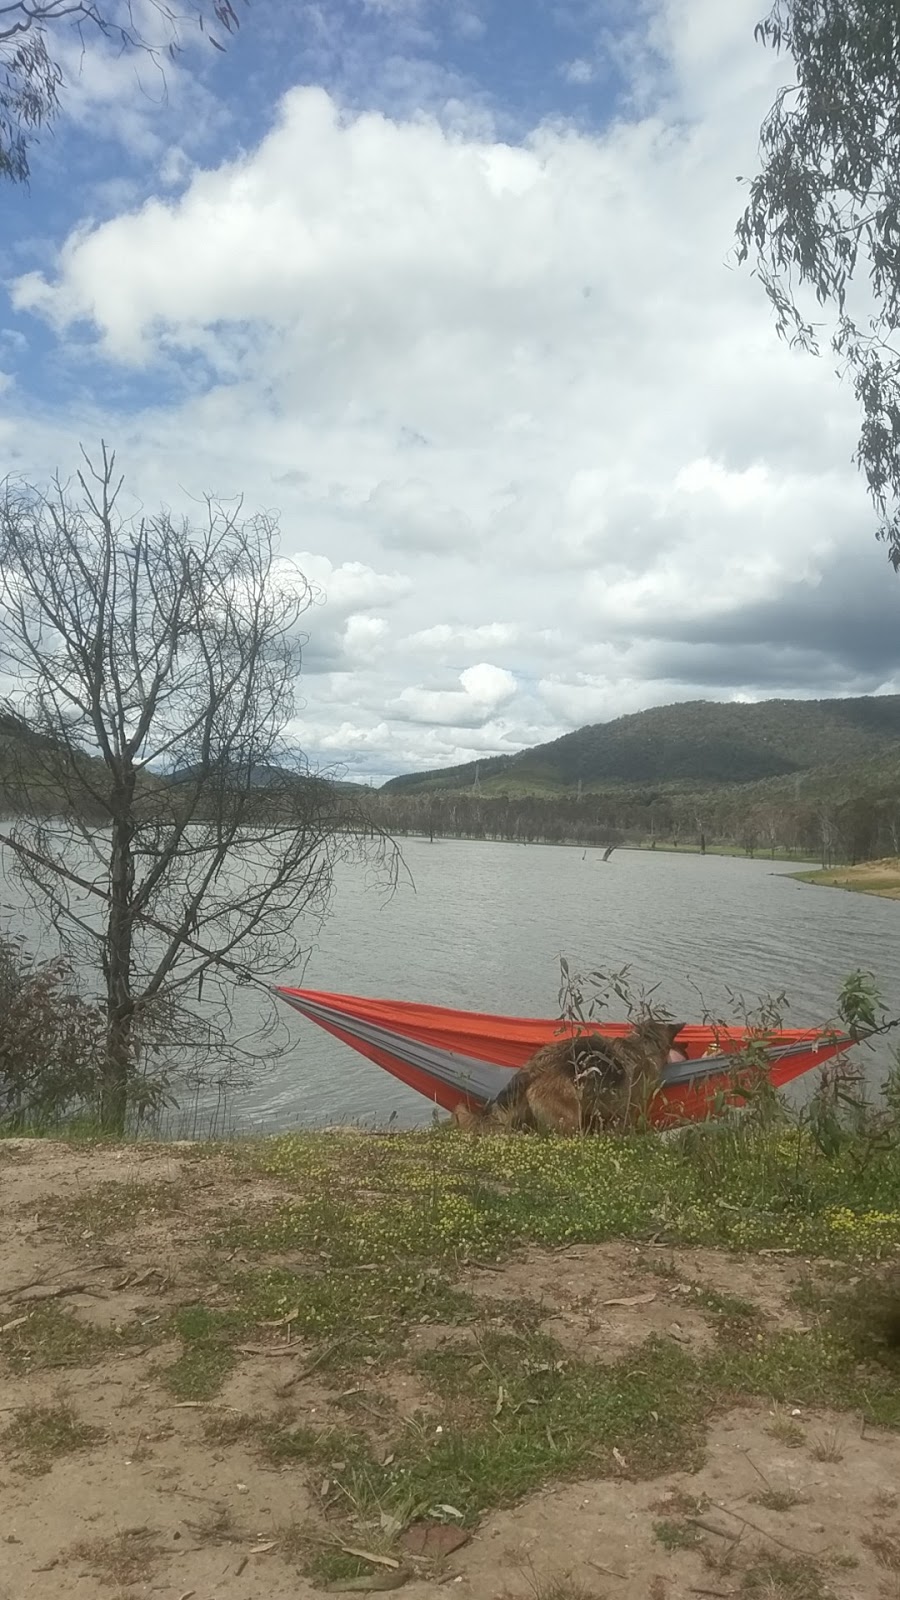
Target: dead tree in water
[155, 664]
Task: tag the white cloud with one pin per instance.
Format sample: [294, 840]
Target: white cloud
[485, 688]
[530, 432]
[445, 640]
[365, 637]
[351, 586]
[578, 71]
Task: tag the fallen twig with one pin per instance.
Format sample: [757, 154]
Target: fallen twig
[266, 1350]
[372, 1557]
[34, 1294]
[311, 1366]
[375, 1582]
[797, 1550]
[608, 1572]
[710, 1527]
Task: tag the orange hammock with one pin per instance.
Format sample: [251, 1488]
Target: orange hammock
[466, 1056]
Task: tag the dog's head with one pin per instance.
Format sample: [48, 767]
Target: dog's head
[658, 1038]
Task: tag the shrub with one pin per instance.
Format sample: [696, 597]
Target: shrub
[51, 1040]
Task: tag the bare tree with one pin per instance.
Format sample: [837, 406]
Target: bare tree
[155, 664]
[31, 39]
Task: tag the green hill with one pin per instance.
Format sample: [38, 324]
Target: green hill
[35, 776]
[699, 744]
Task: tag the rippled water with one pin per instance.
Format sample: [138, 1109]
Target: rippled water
[484, 927]
[487, 923]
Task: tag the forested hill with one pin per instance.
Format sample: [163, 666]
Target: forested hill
[698, 743]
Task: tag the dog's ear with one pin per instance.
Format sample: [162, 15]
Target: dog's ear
[673, 1029]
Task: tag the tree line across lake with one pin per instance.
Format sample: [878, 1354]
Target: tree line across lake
[859, 828]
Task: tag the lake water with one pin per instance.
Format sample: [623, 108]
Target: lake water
[486, 924]
[482, 927]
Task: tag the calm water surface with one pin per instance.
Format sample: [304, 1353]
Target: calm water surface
[482, 928]
[486, 924]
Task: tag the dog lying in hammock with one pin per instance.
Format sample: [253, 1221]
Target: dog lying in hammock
[586, 1084]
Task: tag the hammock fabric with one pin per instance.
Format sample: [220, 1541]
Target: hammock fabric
[454, 1057]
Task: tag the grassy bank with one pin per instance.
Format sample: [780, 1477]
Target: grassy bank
[371, 1357]
[867, 877]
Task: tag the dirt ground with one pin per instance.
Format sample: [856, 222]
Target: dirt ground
[148, 1506]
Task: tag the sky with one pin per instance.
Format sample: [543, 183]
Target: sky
[451, 288]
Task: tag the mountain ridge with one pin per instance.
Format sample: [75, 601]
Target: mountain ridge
[694, 743]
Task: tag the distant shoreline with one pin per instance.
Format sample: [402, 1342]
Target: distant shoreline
[880, 878]
[643, 847]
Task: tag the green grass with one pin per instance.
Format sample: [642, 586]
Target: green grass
[366, 1249]
[854, 880]
[52, 1337]
[208, 1351]
[779, 1577]
[525, 1418]
[675, 1535]
[111, 1208]
[375, 1233]
[440, 1196]
[39, 1434]
[514, 1412]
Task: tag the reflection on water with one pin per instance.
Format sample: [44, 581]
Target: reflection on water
[485, 924]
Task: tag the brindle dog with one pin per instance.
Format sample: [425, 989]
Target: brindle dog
[588, 1084]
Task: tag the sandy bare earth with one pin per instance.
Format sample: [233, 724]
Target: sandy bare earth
[149, 1507]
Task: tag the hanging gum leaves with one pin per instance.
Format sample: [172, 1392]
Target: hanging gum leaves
[824, 211]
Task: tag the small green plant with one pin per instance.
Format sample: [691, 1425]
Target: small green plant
[774, 1499]
[828, 1446]
[884, 1548]
[39, 1434]
[780, 1577]
[676, 1535]
[207, 1355]
[121, 1561]
[787, 1433]
[50, 1042]
[859, 1003]
[50, 1337]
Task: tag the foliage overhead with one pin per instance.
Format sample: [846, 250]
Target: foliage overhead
[823, 218]
[33, 35]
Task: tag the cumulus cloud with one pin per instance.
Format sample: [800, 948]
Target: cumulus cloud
[530, 433]
[484, 690]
